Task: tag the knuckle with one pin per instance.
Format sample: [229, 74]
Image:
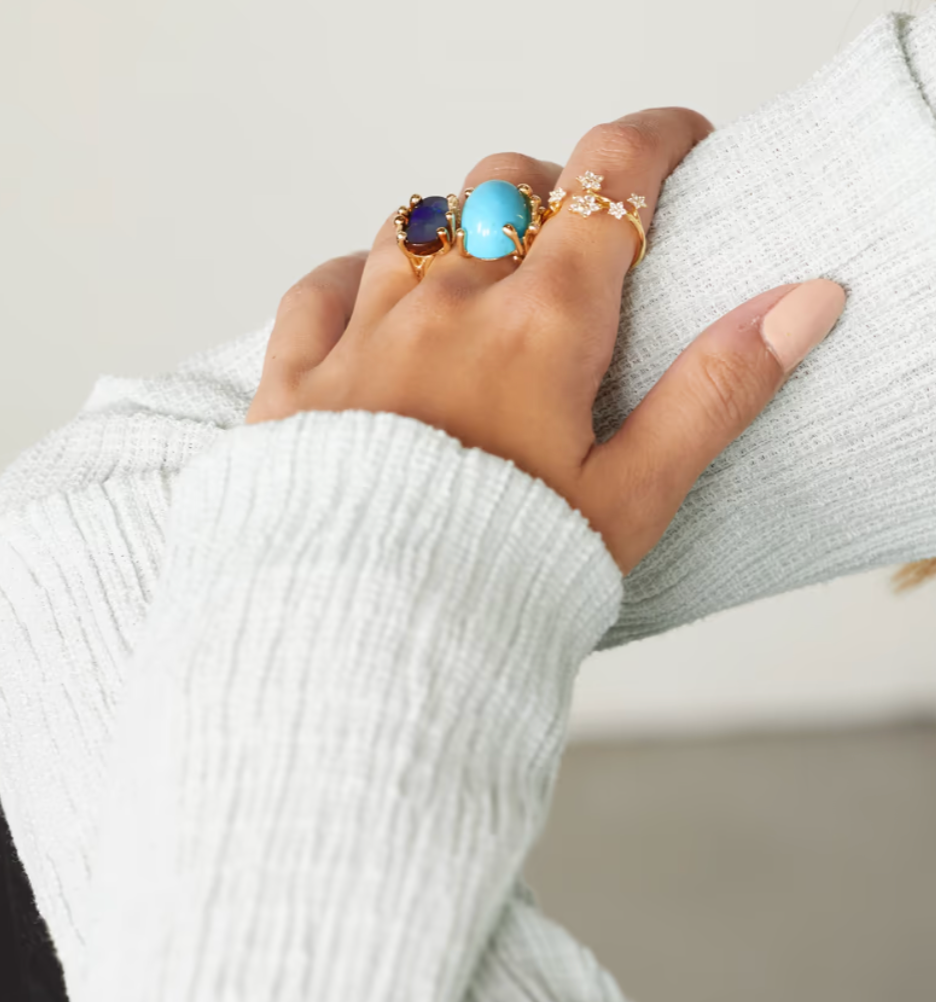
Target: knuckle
[446, 295]
[512, 341]
[279, 390]
[679, 120]
[728, 389]
[512, 321]
[503, 165]
[533, 307]
[291, 301]
[352, 261]
[693, 121]
[313, 294]
[628, 141]
[556, 292]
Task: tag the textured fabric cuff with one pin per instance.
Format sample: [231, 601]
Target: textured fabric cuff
[478, 580]
[441, 548]
[836, 178]
[362, 648]
[383, 495]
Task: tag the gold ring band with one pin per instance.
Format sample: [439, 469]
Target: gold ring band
[420, 256]
[591, 202]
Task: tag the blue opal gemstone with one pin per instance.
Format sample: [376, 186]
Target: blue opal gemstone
[487, 210]
[425, 218]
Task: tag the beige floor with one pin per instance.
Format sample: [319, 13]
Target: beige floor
[765, 869]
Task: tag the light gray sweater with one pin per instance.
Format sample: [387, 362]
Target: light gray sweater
[281, 706]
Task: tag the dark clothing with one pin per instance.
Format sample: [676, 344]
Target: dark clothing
[29, 967]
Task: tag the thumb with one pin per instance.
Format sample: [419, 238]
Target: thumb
[707, 397]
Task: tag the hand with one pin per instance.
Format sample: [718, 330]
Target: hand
[508, 357]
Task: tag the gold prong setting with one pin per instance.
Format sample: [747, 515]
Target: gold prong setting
[420, 262]
[452, 235]
[538, 215]
[521, 245]
[511, 232]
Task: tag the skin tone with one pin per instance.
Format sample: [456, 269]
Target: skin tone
[508, 357]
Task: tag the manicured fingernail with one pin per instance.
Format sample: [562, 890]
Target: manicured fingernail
[802, 319]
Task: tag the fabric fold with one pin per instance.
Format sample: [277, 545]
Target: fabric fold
[344, 716]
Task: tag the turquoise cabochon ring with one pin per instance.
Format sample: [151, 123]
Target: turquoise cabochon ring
[488, 209]
[498, 220]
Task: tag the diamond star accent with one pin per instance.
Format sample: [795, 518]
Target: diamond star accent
[617, 209]
[590, 181]
[638, 201]
[556, 196]
[585, 205]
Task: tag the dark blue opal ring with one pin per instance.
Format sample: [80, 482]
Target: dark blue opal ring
[426, 228]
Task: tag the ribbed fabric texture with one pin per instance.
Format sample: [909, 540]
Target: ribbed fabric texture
[260, 629]
[836, 179]
[351, 662]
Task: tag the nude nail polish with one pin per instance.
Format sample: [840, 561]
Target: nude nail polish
[801, 319]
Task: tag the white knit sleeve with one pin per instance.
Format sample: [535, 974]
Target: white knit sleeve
[343, 717]
[837, 177]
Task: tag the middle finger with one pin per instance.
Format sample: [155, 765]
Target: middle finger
[388, 276]
[473, 274]
[585, 258]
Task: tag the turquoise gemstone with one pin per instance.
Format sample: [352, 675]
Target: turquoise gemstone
[488, 208]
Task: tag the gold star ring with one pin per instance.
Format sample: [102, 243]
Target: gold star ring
[591, 201]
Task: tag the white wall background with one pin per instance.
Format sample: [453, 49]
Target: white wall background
[168, 169]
